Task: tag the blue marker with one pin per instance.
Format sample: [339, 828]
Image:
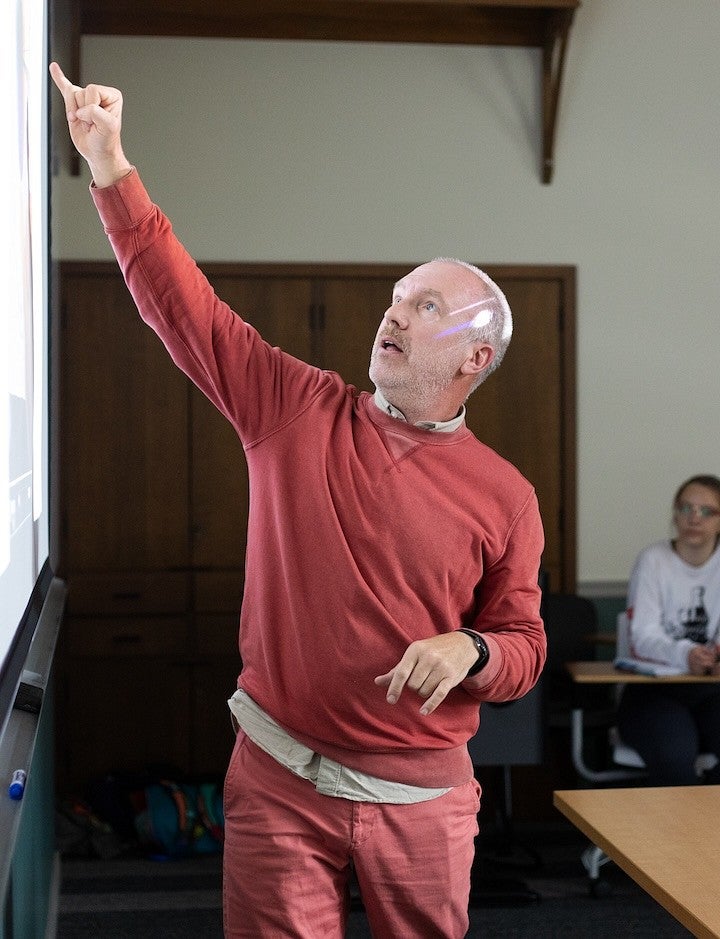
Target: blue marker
[17, 786]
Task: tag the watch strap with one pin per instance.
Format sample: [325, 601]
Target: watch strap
[482, 649]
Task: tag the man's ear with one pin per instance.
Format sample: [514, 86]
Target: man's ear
[478, 360]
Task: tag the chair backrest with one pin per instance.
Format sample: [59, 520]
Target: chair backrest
[510, 733]
[622, 639]
[571, 621]
[571, 625]
[623, 755]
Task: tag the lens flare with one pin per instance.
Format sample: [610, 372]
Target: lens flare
[480, 319]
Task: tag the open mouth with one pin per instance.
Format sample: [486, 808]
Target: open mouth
[387, 345]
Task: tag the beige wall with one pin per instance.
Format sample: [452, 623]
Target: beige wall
[352, 152]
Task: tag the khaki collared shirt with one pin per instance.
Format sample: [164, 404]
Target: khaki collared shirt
[329, 777]
[443, 427]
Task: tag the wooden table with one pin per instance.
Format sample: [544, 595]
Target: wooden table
[667, 839]
[605, 673]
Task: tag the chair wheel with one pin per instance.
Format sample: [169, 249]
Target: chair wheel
[600, 888]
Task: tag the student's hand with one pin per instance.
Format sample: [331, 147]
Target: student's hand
[702, 660]
[715, 649]
[431, 667]
[94, 116]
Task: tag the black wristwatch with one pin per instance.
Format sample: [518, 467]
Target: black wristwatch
[482, 649]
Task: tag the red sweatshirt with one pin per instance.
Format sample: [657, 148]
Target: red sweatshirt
[364, 534]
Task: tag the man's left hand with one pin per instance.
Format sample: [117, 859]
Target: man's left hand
[431, 667]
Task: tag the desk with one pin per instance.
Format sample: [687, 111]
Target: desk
[589, 673]
[665, 838]
[606, 673]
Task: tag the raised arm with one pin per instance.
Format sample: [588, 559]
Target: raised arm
[94, 116]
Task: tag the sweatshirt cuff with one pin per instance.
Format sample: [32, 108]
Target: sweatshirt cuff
[124, 205]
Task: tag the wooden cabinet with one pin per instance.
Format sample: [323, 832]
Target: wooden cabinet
[154, 492]
[152, 487]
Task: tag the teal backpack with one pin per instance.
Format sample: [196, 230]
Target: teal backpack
[181, 819]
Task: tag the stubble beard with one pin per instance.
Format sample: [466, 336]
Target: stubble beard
[415, 388]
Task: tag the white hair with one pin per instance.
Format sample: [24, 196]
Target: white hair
[495, 329]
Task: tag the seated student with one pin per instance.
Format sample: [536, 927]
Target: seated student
[674, 605]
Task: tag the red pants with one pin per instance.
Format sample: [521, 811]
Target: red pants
[289, 850]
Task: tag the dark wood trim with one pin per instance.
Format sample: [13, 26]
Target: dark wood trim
[431, 21]
[543, 24]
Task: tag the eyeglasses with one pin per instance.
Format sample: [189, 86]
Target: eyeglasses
[686, 509]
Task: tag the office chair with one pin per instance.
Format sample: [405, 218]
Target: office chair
[626, 762]
[510, 734]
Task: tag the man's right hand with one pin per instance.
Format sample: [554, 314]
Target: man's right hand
[94, 116]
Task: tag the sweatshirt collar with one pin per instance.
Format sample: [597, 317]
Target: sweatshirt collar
[443, 427]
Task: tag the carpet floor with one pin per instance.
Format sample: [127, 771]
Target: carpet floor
[137, 898]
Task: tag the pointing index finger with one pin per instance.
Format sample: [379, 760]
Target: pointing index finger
[58, 76]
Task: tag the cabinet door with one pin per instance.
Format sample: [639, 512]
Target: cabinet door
[216, 665]
[215, 672]
[123, 435]
[280, 309]
[124, 698]
[278, 305]
[525, 411]
[352, 309]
